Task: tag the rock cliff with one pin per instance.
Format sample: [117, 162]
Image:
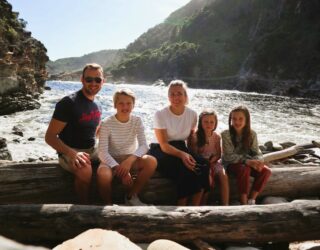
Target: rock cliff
[22, 63]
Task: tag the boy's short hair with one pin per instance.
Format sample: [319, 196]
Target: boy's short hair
[92, 66]
[126, 92]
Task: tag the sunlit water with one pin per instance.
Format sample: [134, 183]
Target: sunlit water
[274, 118]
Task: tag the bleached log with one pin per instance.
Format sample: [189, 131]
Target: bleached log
[48, 183]
[286, 222]
[285, 153]
[202, 245]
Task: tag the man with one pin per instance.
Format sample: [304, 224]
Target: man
[73, 127]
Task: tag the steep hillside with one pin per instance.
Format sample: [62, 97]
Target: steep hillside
[170, 29]
[22, 63]
[105, 58]
[268, 46]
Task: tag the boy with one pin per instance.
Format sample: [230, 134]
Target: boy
[119, 153]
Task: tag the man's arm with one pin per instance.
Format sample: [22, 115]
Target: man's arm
[52, 139]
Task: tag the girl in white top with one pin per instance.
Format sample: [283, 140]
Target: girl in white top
[173, 125]
[119, 152]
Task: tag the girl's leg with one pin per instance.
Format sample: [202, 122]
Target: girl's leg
[205, 196]
[204, 200]
[253, 195]
[243, 180]
[196, 198]
[260, 180]
[244, 199]
[224, 187]
[182, 201]
[211, 177]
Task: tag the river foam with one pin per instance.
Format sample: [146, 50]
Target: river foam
[274, 118]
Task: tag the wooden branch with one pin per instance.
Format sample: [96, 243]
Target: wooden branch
[202, 245]
[48, 183]
[286, 222]
[281, 154]
[285, 153]
[316, 144]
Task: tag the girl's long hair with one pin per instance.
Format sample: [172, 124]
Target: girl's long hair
[201, 136]
[246, 132]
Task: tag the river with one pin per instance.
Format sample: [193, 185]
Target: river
[274, 118]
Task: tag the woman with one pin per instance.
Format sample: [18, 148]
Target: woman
[173, 125]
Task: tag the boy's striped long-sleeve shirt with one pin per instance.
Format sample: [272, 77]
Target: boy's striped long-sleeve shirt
[117, 138]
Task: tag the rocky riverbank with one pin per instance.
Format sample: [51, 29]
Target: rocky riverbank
[296, 88]
[22, 64]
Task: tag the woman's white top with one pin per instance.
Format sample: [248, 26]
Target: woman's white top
[178, 126]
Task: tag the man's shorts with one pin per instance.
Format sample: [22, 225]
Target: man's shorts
[64, 160]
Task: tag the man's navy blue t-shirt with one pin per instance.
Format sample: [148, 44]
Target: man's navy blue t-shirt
[82, 117]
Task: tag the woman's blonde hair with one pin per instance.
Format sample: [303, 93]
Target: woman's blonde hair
[182, 84]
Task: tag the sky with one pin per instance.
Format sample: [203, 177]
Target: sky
[69, 28]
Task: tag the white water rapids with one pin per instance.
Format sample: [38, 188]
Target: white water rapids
[274, 118]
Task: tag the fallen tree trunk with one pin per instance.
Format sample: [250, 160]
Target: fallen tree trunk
[48, 183]
[273, 156]
[286, 222]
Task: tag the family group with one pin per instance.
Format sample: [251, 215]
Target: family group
[188, 150]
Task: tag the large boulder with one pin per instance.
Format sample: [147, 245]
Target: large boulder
[16, 102]
[6, 244]
[163, 244]
[98, 239]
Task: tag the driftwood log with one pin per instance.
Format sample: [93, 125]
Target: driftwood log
[277, 155]
[52, 223]
[48, 183]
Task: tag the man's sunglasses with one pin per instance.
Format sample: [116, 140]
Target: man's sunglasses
[89, 79]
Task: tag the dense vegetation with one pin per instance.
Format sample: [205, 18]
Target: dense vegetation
[16, 39]
[22, 63]
[170, 60]
[266, 46]
[238, 44]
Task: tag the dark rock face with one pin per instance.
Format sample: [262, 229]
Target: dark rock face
[4, 152]
[17, 130]
[16, 102]
[22, 64]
